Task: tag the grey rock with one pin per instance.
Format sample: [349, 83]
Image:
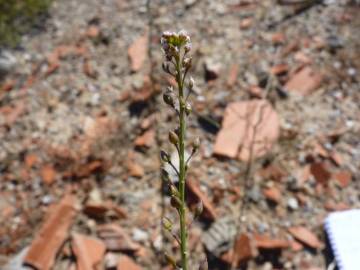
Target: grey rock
[218, 238]
[292, 203]
[212, 69]
[7, 62]
[254, 194]
[16, 263]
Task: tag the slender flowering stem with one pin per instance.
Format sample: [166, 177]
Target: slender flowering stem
[182, 210]
[176, 47]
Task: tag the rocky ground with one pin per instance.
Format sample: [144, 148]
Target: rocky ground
[82, 121]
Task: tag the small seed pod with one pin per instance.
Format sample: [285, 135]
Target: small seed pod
[175, 202]
[167, 224]
[164, 156]
[168, 99]
[187, 47]
[199, 208]
[174, 191]
[195, 145]
[191, 83]
[173, 138]
[188, 108]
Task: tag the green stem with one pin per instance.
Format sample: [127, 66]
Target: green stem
[182, 210]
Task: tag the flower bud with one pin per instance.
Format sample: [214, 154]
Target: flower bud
[175, 202]
[187, 47]
[195, 145]
[187, 62]
[188, 109]
[168, 99]
[167, 224]
[173, 138]
[164, 156]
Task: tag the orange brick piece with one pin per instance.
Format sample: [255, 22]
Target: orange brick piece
[52, 235]
[89, 251]
[126, 263]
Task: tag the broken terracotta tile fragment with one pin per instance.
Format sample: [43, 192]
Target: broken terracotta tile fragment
[196, 195]
[302, 58]
[126, 263]
[267, 242]
[330, 205]
[321, 173]
[336, 158]
[52, 235]
[146, 140]
[48, 174]
[273, 172]
[138, 52]
[135, 169]
[88, 251]
[304, 82]
[272, 194]
[296, 246]
[93, 31]
[278, 38]
[305, 236]
[96, 210]
[246, 23]
[244, 250]
[256, 91]
[30, 160]
[279, 69]
[249, 130]
[343, 178]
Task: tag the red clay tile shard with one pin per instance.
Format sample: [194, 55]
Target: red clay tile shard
[278, 38]
[196, 195]
[266, 242]
[146, 140]
[89, 251]
[126, 263]
[135, 169]
[52, 235]
[321, 173]
[343, 178]
[273, 194]
[249, 130]
[233, 74]
[246, 23]
[30, 160]
[138, 52]
[279, 69]
[116, 239]
[48, 174]
[244, 249]
[304, 82]
[305, 236]
[93, 31]
[96, 209]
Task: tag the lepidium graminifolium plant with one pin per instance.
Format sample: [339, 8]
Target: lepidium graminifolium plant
[176, 47]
